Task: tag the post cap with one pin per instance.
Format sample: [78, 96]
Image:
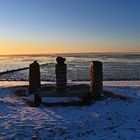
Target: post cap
[60, 60]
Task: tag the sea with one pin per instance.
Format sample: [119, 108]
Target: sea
[116, 66]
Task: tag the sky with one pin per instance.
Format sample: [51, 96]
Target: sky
[69, 26]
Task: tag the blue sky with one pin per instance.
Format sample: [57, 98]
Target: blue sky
[81, 22]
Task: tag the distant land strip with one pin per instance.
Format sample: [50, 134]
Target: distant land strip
[20, 69]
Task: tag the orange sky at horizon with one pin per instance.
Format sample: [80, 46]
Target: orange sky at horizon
[47, 26]
[11, 47]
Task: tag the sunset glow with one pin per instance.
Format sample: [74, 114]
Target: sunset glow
[31, 48]
[46, 26]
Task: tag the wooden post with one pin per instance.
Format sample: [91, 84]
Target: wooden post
[34, 80]
[96, 78]
[61, 73]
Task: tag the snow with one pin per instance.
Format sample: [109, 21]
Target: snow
[108, 119]
[105, 83]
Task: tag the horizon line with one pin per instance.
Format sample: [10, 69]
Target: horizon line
[36, 54]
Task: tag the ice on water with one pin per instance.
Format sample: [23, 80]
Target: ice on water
[115, 66]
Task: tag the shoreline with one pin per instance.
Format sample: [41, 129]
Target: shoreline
[6, 84]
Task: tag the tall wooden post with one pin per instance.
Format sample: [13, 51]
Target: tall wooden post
[96, 78]
[61, 73]
[34, 80]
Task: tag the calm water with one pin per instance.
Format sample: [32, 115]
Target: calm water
[115, 66]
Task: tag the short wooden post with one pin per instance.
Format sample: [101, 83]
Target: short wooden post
[61, 73]
[34, 80]
[96, 78]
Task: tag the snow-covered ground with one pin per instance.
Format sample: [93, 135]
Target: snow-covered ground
[109, 119]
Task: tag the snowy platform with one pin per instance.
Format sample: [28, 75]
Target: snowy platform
[70, 91]
[110, 119]
[64, 93]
